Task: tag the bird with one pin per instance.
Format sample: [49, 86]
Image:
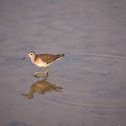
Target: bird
[43, 60]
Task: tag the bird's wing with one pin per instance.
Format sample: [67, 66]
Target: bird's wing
[48, 58]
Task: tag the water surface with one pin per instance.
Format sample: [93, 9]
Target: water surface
[85, 88]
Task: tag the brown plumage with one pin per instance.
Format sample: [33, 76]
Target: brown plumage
[49, 58]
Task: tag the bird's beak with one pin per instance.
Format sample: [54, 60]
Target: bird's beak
[25, 57]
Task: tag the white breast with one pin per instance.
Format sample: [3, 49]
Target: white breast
[42, 64]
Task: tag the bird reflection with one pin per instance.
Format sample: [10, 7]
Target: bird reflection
[42, 87]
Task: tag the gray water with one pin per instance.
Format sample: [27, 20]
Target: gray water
[85, 88]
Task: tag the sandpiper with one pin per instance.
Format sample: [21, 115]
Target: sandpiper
[43, 60]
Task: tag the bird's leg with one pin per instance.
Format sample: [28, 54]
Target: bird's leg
[39, 72]
[47, 70]
[42, 72]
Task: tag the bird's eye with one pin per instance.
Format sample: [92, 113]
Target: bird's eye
[31, 54]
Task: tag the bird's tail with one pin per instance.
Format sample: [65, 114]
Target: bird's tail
[60, 55]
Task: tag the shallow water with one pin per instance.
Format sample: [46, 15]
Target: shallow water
[85, 88]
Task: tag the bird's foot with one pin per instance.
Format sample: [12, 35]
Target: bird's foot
[40, 72]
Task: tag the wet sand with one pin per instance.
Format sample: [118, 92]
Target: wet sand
[85, 88]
